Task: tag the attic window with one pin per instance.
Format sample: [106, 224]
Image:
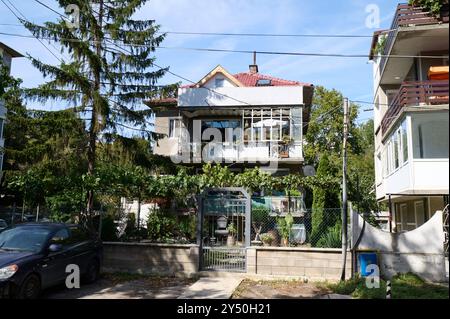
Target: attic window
[220, 82]
[264, 82]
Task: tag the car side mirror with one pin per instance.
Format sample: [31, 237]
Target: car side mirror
[54, 248]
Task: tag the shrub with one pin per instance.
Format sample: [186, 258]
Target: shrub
[161, 226]
[188, 227]
[434, 6]
[260, 214]
[267, 239]
[332, 238]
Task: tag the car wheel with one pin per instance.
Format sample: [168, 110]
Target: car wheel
[30, 288]
[92, 272]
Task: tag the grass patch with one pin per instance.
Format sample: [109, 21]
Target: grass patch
[404, 286]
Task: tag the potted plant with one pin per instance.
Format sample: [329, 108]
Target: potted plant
[267, 239]
[284, 149]
[284, 227]
[232, 231]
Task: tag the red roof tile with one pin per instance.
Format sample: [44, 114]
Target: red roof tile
[251, 79]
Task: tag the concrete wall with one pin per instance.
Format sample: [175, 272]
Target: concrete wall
[420, 251]
[157, 259]
[244, 96]
[313, 263]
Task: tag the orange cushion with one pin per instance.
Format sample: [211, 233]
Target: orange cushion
[438, 73]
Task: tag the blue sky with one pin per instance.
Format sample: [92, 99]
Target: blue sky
[351, 76]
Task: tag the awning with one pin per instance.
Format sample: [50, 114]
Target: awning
[438, 73]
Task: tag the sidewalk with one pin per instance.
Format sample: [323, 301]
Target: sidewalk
[212, 288]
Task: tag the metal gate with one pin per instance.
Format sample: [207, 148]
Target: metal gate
[224, 229]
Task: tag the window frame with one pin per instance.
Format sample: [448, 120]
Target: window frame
[172, 134]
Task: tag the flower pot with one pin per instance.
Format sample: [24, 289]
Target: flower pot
[285, 242]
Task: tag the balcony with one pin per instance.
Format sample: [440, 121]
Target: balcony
[419, 93]
[242, 152]
[405, 16]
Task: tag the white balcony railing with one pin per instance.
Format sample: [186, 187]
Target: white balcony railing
[240, 152]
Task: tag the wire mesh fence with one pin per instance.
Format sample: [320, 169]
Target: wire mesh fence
[284, 221]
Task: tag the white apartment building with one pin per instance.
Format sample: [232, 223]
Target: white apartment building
[411, 116]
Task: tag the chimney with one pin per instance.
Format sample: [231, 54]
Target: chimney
[254, 67]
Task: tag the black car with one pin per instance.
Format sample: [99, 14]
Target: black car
[34, 256]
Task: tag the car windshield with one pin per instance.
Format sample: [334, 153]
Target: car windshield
[24, 239]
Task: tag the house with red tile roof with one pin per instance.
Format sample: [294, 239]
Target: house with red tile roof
[241, 120]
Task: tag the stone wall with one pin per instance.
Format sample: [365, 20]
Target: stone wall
[312, 263]
[158, 259]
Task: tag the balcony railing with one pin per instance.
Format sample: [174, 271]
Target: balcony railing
[238, 152]
[419, 93]
[407, 15]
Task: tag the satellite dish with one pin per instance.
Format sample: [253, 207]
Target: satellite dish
[309, 170]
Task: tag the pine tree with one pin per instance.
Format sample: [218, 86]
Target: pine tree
[110, 72]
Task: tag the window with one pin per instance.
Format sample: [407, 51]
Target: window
[404, 140]
[419, 210]
[395, 150]
[78, 235]
[272, 125]
[430, 135]
[220, 82]
[174, 127]
[227, 129]
[61, 237]
[264, 82]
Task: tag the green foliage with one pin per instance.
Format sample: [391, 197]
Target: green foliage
[161, 226]
[260, 214]
[379, 48]
[285, 225]
[267, 239]
[232, 230]
[324, 199]
[326, 126]
[332, 237]
[188, 227]
[404, 286]
[433, 6]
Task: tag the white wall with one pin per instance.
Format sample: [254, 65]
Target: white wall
[431, 174]
[420, 251]
[211, 84]
[241, 96]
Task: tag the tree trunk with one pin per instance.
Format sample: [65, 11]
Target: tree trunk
[93, 129]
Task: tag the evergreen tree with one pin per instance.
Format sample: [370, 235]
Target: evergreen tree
[325, 212]
[111, 71]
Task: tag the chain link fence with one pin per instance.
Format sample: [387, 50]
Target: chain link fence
[285, 222]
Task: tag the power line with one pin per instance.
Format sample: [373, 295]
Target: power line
[313, 54]
[18, 18]
[51, 9]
